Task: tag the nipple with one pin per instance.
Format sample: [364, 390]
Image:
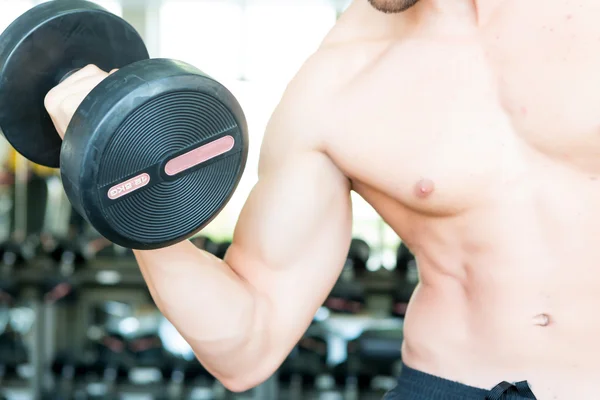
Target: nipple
[424, 188]
[541, 320]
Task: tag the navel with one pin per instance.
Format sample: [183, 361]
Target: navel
[424, 188]
[541, 320]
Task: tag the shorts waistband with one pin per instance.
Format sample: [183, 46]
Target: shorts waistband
[417, 385]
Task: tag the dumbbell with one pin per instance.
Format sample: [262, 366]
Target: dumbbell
[406, 271]
[188, 375]
[22, 243]
[110, 362]
[68, 255]
[13, 353]
[18, 252]
[207, 244]
[152, 154]
[149, 360]
[358, 256]
[405, 259]
[304, 365]
[67, 369]
[348, 295]
[376, 353]
[222, 249]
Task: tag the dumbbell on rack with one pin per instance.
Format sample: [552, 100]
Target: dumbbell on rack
[305, 364]
[222, 249]
[13, 352]
[149, 362]
[375, 354]
[348, 294]
[184, 376]
[67, 369]
[153, 152]
[21, 244]
[407, 274]
[187, 375]
[109, 363]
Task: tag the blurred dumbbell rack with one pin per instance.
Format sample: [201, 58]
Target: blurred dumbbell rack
[119, 279]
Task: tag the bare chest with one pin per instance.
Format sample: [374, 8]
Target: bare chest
[476, 117]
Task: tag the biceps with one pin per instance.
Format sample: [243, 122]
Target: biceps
[293, 234]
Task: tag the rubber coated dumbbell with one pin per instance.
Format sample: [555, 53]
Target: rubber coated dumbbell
[155, 150]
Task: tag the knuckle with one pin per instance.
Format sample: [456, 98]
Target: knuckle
[51, 100]
[91, 68]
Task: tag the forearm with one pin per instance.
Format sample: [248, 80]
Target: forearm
[214, 309]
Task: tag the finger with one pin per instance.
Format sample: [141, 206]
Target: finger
[85, 72]
[57, 95]
[83, 85]
[62, 115]
[64, 102]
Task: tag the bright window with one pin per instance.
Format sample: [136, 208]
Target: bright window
[11, 10]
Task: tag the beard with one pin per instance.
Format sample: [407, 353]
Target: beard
[392, 6]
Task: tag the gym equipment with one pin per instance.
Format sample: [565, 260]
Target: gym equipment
[404, 258]
[109, 363]
[206, 244]
[348, 294]
[306, 362]
[29, 197]
[70, 247]
[346, 297]
[358, 256]
[71, 253]
[149, 360]
[183, 373]
[13, 354]
[152, 154]
[187, 374]
[68, 256]
[376, 353]
[41, 48]
[67, 369]
[16, 252]
[222, 249]
[9, 288]
[408, 279]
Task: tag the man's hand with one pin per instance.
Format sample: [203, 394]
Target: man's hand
[62, 101]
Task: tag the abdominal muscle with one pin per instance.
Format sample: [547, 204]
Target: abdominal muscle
[511, 292]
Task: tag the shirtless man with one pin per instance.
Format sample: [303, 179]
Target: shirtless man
[473, 128]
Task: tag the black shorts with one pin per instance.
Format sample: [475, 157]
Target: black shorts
[416, 385]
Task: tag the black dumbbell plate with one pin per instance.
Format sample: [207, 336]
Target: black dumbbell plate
[42, 46]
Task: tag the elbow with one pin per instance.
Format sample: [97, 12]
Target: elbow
[240, 385]
[256, 370]
[247, 381]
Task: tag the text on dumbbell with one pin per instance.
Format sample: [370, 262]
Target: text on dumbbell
[128, 186]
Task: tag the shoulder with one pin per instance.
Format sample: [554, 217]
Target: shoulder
[300, 120]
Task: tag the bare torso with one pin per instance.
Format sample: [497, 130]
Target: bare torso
[479, 144]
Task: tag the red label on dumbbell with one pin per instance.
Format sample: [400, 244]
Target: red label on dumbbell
[128, 186]
[199, 155]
